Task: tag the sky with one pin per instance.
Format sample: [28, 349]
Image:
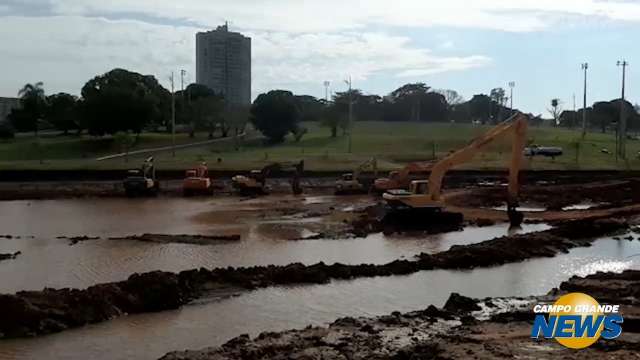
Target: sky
[470, 46]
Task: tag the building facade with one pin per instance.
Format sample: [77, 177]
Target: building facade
[223, 63]
[6, 105]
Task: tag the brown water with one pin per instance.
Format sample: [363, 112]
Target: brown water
[52, 262]
[210, 323]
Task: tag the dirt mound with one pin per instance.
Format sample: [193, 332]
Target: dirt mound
[10, 256]
[181, 239]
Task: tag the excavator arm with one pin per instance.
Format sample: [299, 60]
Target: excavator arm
[373, 163]
[516, 126]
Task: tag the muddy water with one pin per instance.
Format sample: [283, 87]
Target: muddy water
[50, 262]
[211, 322]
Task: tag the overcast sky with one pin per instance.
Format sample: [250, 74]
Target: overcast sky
[467, 45]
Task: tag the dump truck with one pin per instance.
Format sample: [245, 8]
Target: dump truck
[350, 183]
[142, 181]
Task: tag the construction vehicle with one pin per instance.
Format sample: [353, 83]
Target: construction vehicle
[197, 181]
[255, 182]
[426, 195]
[350, 183]
[400, 179]
[142, 181]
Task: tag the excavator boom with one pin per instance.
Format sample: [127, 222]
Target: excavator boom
[516, 125]
[418, 197]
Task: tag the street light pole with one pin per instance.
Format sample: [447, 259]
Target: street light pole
[350, 113]
[622, 123]
[173, 117]
[585, 67]
[512, 84]
[326, 90]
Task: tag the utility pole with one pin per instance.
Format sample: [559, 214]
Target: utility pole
[585, 67]
[326, 90]
[512, 84]
[350, 113]
[173, 116]
[622, 123]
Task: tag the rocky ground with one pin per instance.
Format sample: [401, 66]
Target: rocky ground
[463, 329]
[31, 313]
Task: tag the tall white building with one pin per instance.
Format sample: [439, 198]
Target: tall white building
[223, 63]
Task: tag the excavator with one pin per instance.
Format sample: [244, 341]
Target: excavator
[197, 181]
[142, 181]
[400, 179]
[426, 195]
[255, 182]
[350, 183]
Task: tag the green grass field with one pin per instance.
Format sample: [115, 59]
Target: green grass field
[393, 144]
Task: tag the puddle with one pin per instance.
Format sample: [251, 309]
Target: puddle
[521, 208]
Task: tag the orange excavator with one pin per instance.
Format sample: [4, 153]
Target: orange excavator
[400, 179]
[197, 181]
[426, 194]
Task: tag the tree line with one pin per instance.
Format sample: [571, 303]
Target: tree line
[123, 101]
[129, 102]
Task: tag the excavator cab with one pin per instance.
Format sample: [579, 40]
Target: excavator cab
[347, 177]
[350, 183]
[197, 181]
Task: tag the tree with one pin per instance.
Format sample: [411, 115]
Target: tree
[480, 107]
[275, 114]
[185, 105]
[33, 103]
[568, 118]
[206, 113]
[6, 130]
[407, 100]
[499, 99]
[451, 96]
[555, 110]
[234, 117]
[310, 108]
[61, 112]
[121, 100]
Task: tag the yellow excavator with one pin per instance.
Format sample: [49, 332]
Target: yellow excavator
[425, 194]
[255, 182]
[350, 183]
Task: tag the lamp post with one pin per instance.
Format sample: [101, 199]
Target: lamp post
[512, 84]
[173, 116]
[326, 90]
[585, 67]
[349, 82]
[622, 123]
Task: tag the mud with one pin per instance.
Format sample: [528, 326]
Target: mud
[10, 256]
[464, 329]
[41, 312]
[180, 239]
